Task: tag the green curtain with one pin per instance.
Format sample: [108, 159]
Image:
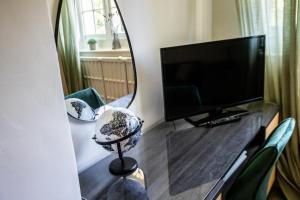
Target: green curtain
[277, 19]
[68, 46]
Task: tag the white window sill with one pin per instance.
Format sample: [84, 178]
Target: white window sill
[105, 51]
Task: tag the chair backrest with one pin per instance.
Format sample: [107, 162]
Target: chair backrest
[90, 96]
[253, 181]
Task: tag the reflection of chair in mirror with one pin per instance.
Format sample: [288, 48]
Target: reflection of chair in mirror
[90, 96]
[253, 182]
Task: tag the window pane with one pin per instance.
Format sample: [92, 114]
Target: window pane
[116, 21]
[88, 21]
[100, 22]
[86, 5]
[112, 4]
[98, 4]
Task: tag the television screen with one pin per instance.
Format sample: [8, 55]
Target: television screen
[200, 78]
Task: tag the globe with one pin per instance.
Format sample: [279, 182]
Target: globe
[79, 109]
[117, 123]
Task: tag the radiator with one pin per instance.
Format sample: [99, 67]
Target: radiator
[112, 77]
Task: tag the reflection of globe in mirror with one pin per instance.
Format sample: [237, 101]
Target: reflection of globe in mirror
[79, 109]
[78, 106]
[127, 189]
[115, 124]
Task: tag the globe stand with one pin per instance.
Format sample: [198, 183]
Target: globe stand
[122, 166]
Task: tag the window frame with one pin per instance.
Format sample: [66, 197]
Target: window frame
[108, 22]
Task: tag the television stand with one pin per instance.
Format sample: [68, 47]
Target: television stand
[218, 117]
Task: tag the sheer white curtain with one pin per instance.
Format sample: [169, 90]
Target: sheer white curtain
[266, 17]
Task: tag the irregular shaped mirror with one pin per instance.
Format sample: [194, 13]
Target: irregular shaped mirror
[96, 60]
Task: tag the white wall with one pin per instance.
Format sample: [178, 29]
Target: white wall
[53, 6]
[151, 24]
[36, 154]
[203, 20]
[225, 19]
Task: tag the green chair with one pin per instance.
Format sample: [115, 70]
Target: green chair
[253, 182]
[90, 96]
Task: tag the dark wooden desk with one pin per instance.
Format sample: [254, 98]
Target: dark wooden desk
[186, 163]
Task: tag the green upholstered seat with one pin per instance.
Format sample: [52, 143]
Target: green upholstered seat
[90, 96]
[253, 181]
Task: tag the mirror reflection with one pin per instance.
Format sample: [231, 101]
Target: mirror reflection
[95, 54]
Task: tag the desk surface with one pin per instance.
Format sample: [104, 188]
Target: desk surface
[186, 163]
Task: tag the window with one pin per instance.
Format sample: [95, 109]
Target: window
[116, 19]
[99, 19]
[267, 18]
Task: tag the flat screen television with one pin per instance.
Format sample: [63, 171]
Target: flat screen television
[206, 77]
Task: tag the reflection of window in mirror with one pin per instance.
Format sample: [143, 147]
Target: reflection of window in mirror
[110, 71]
[99, 19]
